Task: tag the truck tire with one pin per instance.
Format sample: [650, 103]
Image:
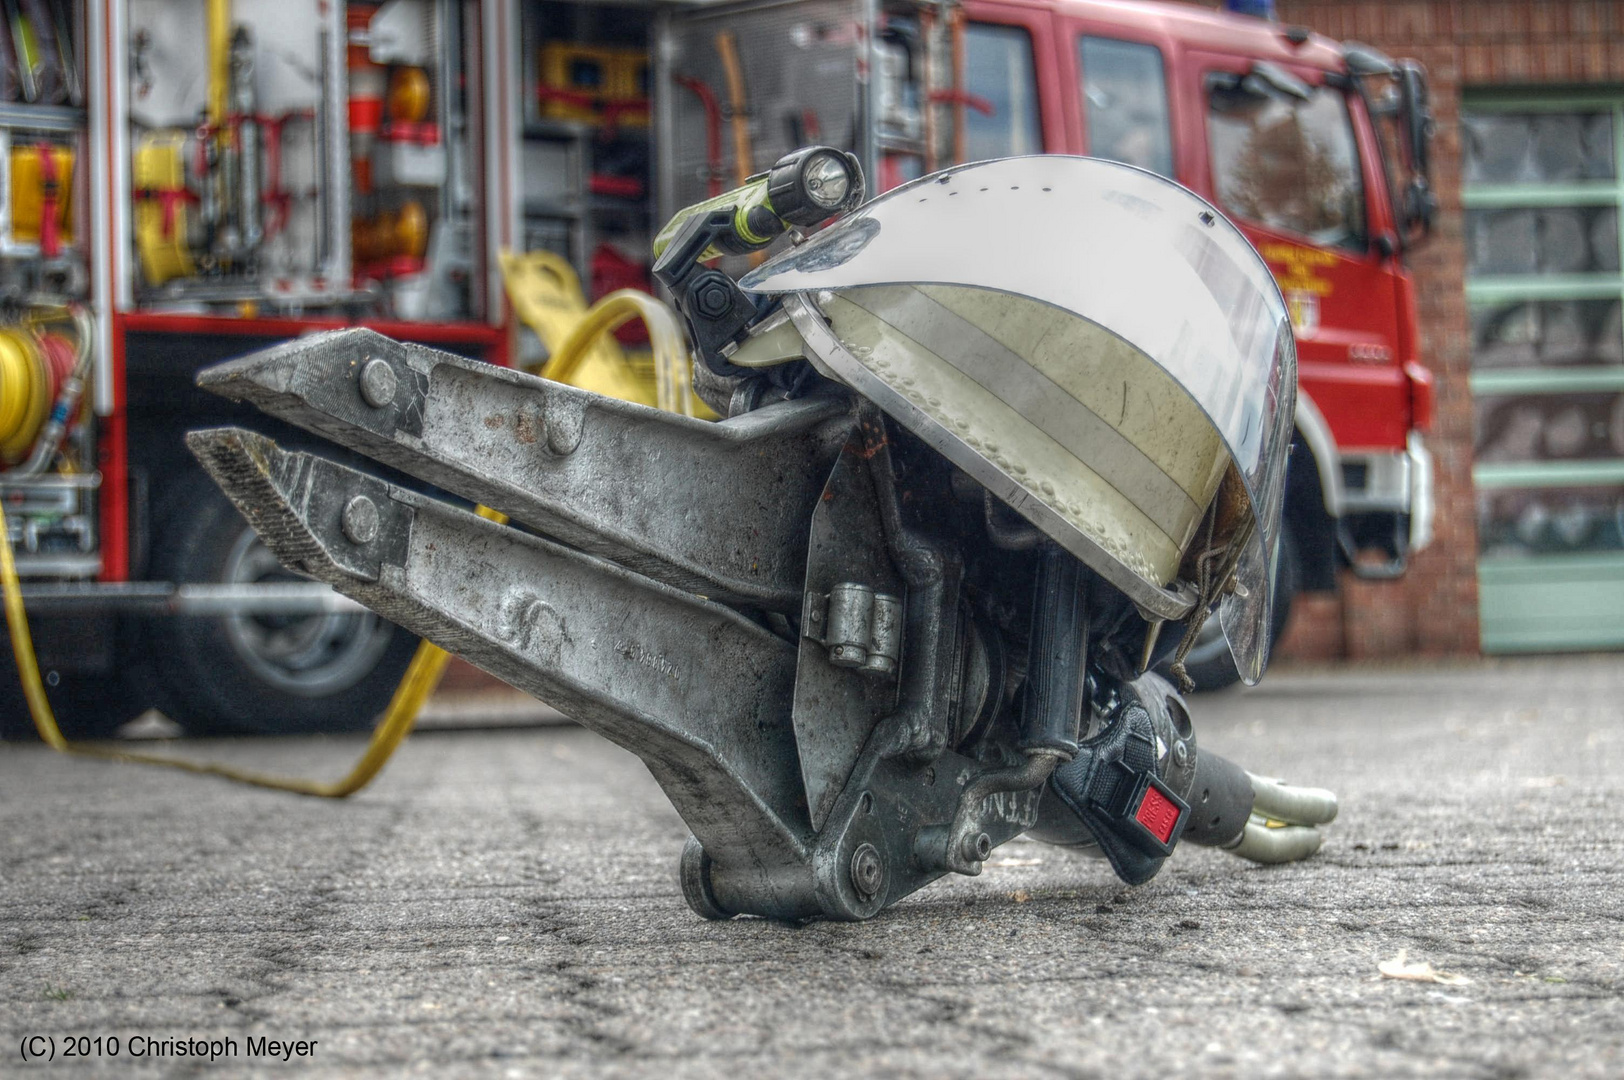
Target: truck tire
[1209, 663]
[259, 674]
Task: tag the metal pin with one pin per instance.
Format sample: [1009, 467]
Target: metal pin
[378, 383]
[360, 521]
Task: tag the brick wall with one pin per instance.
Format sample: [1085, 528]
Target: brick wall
[1433, 611]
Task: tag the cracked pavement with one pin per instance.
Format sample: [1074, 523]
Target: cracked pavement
[503, 903]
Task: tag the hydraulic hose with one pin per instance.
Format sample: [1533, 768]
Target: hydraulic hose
[1220, 798]
[1056, 664]
[1255, 817]
[1049, 721]
[422, 676]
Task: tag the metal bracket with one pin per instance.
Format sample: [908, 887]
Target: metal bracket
[837, 707]
[891, 806]
[1389, 570]
[861, 628]
[715, 308]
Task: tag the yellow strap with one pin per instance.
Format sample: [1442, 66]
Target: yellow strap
[419, 682]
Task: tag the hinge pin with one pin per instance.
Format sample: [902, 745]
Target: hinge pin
[360, 521]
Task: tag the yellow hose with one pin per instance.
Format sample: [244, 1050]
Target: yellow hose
[419, 682]
[665, 338]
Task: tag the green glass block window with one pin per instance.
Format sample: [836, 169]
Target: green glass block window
[1545, 294]
[1518, 522]
[1549, 240]
[1540, 147]
[1554, 333]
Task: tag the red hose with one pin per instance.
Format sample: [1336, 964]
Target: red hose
[713, 128]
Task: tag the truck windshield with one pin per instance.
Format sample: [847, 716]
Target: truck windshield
[1286, 162]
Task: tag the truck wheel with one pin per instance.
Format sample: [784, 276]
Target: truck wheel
[259, 673]
[1209, 663]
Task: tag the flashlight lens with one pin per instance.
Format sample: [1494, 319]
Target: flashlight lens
[828, 181]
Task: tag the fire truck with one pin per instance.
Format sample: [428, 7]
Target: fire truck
[188, 180]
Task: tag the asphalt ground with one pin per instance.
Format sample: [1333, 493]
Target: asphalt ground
[502, 903]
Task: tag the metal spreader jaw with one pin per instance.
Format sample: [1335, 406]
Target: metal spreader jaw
[749, 606]
[636, 599]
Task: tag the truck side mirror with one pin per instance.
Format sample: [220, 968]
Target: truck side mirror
[1415, 114]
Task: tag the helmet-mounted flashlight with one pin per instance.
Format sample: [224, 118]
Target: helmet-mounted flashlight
[803, 188]
[812, 184]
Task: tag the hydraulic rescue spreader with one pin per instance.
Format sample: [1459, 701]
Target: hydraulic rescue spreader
[857, 643]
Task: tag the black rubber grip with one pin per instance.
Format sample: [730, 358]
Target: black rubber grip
[1220, 801]
[1053, 710]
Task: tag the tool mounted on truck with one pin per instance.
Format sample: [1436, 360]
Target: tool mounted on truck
[899, 606]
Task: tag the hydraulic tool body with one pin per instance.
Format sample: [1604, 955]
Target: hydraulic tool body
[851, 653]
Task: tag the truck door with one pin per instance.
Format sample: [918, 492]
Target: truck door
[1297, 169]
[1122, 95]
[1011, 82]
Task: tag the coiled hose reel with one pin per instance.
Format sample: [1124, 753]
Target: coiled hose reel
[34, 367]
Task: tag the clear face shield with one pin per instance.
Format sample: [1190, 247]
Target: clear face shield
[1096, 345]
